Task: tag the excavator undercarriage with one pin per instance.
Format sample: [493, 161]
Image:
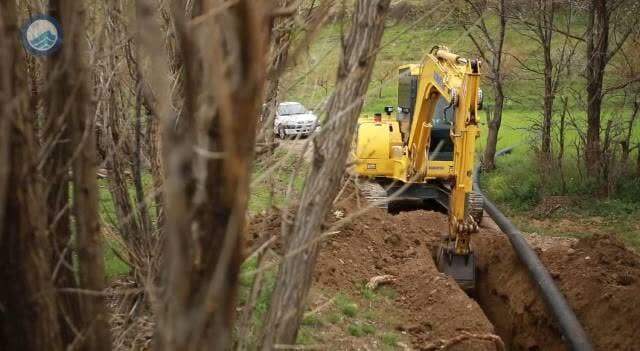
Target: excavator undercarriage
[395, 197]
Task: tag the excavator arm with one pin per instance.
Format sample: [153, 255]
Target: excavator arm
[456, 80]
[430, 148]
[464, 134]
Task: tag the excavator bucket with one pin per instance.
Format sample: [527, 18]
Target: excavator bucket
[462, 268]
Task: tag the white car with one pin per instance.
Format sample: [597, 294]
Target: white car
[293, 119]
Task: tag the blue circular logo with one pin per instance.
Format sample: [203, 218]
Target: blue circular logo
[42, 35]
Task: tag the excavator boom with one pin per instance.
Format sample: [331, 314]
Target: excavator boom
[429, 148]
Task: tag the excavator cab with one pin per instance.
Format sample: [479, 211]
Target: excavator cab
[441, 146]
[426, 153]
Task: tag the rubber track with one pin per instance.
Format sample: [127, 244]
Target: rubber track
[374, 193]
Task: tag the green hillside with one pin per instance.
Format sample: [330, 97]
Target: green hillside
[518, 185]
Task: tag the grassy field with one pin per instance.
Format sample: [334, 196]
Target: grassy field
[112, 247]
[274, 176]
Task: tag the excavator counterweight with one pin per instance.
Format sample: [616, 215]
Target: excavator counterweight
[426, 152]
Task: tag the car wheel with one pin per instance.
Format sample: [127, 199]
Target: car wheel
[281, 133]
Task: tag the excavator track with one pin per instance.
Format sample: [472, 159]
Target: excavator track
[374, 193]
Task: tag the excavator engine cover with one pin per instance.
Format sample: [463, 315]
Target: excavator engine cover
[461, 267]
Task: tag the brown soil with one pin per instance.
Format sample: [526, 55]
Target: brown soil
[598, 275]
[588, 225]
[432, 306]
[429, 307]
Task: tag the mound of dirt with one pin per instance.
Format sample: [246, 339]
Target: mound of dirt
[599, 277]
[433, 308]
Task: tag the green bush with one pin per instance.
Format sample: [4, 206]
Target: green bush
[521, 181]
[515, 183]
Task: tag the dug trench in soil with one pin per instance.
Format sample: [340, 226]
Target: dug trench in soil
[598, 275]
[431, 306]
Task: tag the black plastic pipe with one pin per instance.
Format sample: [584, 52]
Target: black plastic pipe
[570, 327]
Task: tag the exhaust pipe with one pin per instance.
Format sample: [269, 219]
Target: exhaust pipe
[571, 329]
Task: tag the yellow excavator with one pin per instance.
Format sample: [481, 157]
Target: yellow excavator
[426, 152]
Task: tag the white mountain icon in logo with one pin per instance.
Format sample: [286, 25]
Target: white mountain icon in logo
[42, 35]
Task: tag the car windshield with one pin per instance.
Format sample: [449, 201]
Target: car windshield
[291, 109]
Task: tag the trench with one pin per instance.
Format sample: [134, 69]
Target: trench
[510, 300]
[504, 290]
[537, 280]
[598, 276]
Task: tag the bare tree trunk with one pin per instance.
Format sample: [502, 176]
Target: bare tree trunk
[208, 171]
[157, 170]
[606, 156]
[91, 274]
[626, 143]
[561, 142]
[115, 127]
[489, 160]
[8, 27]
[114, 137]
[549, 95]
[280, 42]
[638, 160]
[330, 153]
[57, 152]
[132, 217]
[156, 100]
[28, 317]
[491, 49]
[136, 167]
[597, 47]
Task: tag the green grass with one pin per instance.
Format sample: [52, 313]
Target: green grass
[113, 265]
[371, 315]
[346, 305]
[390, 339]
[306, 336]
[247, 276]
[272, 190]
[369, 294]
[246, 279]
[312, 79]
[334, 318]
[384, 292]
[361, 329]
[518, 186]
[312, 319]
